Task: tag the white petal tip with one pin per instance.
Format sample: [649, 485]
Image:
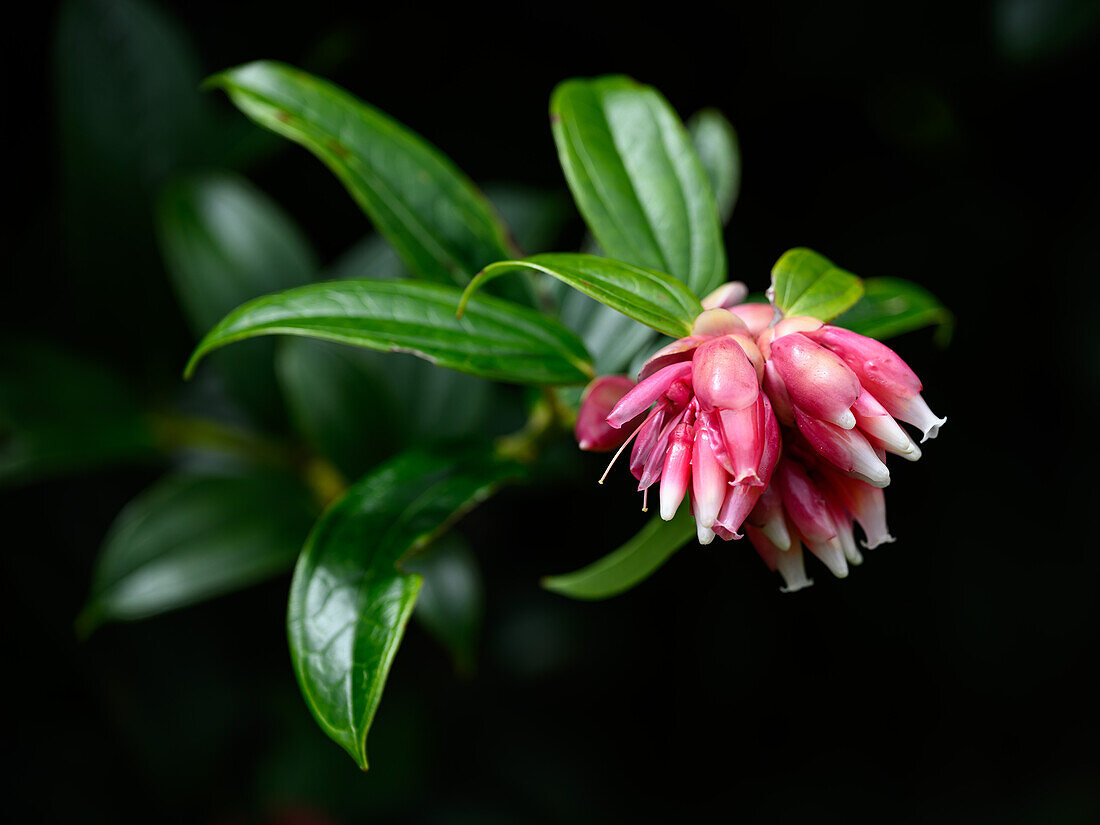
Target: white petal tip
[705, 534]
[847, 421]
[934, 429]
[794, 587]
[878, 542]
[585, 445]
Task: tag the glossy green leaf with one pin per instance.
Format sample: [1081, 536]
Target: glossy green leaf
[631, 564]
[225, 242]
[61, 413]
[893, 306]
[716, 144]
[495, 338]
[350, 602]
[652, 298]
[452, 598]
[807, 283]
[637, 180]
[442, 227]
[192, 537]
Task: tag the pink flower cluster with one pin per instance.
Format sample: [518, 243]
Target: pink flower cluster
[777, 428]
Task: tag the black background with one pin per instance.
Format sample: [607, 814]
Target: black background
[949, 679]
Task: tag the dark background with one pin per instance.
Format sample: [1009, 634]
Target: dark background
[949, 679]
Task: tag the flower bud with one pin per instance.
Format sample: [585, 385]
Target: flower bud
[847, 450]
[816, 380]
[758, 317]
[718, 322]
[725, 296]
[677, 470]
[600, 396]
[708, 479]
[641, 398]
[722, 376]
[788, 563]
[809, 514]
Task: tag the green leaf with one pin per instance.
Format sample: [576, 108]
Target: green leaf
[225, 242]
[61, 413]
[807, 283]
[716, 144]
[657, 300]
[637, 180]
[631, 564]
[534, 218]
[443, 228]
[892, 306]
[451, 599]
[495, 338]
[192, 537]
[349, 601]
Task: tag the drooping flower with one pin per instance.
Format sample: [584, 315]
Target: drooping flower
[709, 434]
[777, 428]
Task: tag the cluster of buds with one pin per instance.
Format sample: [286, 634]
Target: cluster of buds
[775, 427]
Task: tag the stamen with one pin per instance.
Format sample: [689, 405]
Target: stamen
[619, 452]
[645, 500]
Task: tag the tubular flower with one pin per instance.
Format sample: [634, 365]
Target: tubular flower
[843, 391]
[811, 504]
[777, 428]
[708, 434]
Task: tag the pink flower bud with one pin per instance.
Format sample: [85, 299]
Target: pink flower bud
[843, 523]
[725, 296]
[884, 374]
[809, 514]
[722, 376]
[767, 517]
[708, 479]
[776, 390]
[744, 434]
[677, 470]
[847, 450]
[867, 505]
[788, 326]
[600, 396]
[816, 380]
[641, 398]
[882, 429]
[758, 317]
[742, 498]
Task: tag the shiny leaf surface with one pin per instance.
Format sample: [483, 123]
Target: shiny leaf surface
[495, 338]
[652, 298]
[637, 180]
[441, 226]
[192, 537]
[350, 602]
[807, 283]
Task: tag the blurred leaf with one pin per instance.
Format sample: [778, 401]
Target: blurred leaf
[60, 413]
[189, 538]
[716, 144]
[636, 179]
[371, 257]
[806, 283]
[535, 218]
[613, 338]
[225, 242]
[451, 599]
[349, 601]
[892, 306]
[436, 220]
[495, 338]
[652, 298]
[631, 564]
[358, 407]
